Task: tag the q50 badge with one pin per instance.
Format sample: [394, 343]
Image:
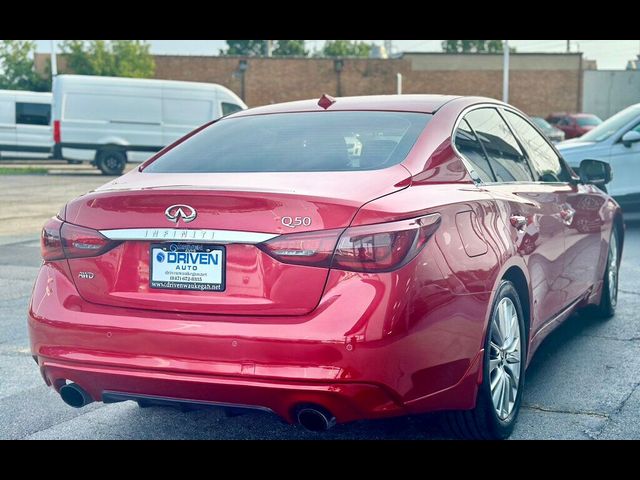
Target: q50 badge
[293, 222]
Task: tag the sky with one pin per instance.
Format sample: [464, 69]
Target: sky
[610, 54]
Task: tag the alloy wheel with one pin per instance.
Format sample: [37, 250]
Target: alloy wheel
[612, 269]
[505, 360]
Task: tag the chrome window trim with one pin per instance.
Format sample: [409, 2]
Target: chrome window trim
[188, 234]
[466, 162]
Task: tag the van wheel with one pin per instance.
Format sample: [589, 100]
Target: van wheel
[111, 162]
[500, 393]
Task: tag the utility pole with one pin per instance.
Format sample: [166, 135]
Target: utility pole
[505, 72]
[54, 62]
[388, 46]
[568, 46]
[268, 47]
[399, 83]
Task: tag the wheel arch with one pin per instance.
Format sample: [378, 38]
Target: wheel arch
[515, 275]
[515, 271]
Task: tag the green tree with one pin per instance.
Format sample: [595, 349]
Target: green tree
[249, 48]
[118, 58]
[290, 48]
[17, 69]
[346, 48]
[473, 46]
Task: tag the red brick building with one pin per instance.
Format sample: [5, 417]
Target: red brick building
[539, 83]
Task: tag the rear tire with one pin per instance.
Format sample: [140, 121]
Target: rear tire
[111, 162]
[609, 298]
[500, 394]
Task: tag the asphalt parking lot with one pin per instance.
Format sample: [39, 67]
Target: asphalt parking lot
[583, 383]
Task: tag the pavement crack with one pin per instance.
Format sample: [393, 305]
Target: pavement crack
[616, 411]
[542, 408]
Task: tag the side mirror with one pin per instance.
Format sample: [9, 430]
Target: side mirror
[595, 172]
[630, 138]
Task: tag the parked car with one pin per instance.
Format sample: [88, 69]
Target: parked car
[574, 124]
[25, 124]
[110, 121]
[617, 142]
[258, 263]
[552, 133]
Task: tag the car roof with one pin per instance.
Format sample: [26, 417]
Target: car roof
[402, 103]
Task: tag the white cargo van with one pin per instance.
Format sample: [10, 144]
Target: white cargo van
[25, 124]
[109, 121]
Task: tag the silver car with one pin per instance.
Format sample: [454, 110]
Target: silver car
[617, 142]
[552, 133]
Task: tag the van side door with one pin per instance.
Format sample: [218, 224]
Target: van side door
[33, 126]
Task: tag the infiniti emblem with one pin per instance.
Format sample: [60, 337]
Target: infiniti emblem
[184, 212]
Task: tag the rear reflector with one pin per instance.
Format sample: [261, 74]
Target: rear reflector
[371, 248]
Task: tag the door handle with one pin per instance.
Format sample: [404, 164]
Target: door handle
[518, 222]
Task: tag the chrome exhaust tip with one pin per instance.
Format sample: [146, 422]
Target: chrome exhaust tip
[315, 419]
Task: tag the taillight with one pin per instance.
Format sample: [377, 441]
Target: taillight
[63, 240]
[83, 242]
[56, 131]
[313, 248]
[50, 241]
[383, 247]
[371, 248]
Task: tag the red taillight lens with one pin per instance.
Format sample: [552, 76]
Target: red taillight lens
[50, 241]
[383, 247]
[56, 131]
[63, 240]
[312, 248]
[83, 242]
[371, 248]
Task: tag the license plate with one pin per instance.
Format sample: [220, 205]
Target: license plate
[180, 266]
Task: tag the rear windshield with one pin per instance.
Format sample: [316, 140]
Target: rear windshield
[297, 142]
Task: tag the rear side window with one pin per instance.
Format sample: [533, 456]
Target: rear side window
[543, 157]
[33, 113]
[229, 108]
[469, 146]
[297, 142]
[507, 160]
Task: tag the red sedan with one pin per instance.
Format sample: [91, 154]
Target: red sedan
[574, 124]
[329, 261]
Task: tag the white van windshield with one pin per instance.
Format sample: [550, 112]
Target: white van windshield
[297, 142]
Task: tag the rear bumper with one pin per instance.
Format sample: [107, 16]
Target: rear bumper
[362, 353]
[347, 401]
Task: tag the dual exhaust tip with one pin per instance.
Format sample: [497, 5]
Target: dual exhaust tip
[313, 418]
